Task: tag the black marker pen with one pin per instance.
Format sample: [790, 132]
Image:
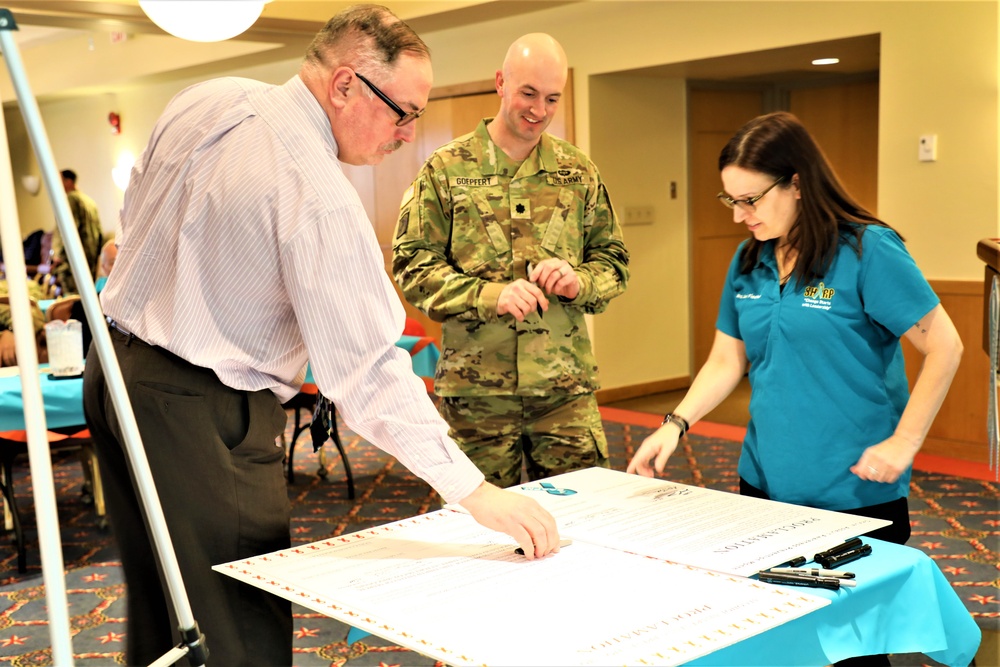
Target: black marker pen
[527, 273]
[562, 543]
[852, 543]
[847, 556]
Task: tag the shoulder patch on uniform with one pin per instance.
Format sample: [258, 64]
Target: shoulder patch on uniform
[403, 223]
[471, 182]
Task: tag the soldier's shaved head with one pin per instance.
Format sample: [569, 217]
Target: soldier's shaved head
[530, 85]
[537, 50]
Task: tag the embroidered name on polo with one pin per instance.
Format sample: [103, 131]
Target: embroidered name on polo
[466, 181]
[748, 296]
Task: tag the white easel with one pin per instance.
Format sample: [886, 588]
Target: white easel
[192, 641]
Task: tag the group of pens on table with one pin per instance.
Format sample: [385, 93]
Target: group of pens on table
[823, 577]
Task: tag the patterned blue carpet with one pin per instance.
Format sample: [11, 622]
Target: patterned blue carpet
[956, 521]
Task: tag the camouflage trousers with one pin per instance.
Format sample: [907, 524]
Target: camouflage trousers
[544, 435]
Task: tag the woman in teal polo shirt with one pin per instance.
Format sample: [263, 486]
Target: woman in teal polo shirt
[815, 303]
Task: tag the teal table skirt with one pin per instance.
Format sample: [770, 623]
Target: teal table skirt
[902, 604]
[63, 399]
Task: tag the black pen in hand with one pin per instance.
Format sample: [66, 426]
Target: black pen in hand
[562, 543]
[538, 304]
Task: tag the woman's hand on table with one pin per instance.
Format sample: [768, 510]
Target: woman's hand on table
[651, 458]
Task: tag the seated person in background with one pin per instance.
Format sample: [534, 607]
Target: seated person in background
[88, 226]
[33, 248]
[7, 352]
[108, 255]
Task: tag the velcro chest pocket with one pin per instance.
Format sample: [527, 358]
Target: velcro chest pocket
[478, 237]
[564, 232]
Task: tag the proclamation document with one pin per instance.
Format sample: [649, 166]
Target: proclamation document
[714, 530]
[447, 587]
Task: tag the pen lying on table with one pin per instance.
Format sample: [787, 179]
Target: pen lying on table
[830, 583]
[813, 572]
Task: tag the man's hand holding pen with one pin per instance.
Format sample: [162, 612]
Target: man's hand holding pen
[555, 276]
[551, 276]
[520, 298]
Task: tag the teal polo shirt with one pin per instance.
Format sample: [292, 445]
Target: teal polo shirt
[826, 368]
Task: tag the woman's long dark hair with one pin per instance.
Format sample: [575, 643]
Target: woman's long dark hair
[778, 145]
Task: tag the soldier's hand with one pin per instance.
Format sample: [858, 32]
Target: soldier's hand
[520, 298]
[556, 276]
[518, 516]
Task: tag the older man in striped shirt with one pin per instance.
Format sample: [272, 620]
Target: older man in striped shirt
[244, 251]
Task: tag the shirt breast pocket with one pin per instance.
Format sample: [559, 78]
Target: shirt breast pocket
[565, 232]
[479, 243]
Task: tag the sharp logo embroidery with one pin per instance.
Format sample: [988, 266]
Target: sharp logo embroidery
[819, 297]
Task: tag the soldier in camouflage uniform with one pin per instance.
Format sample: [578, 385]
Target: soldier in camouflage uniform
[507, 237]
[88, 225]
[8, 355]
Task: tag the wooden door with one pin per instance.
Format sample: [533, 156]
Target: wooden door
[843, 118]
[714, 116]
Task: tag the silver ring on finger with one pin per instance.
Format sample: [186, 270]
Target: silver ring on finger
[873, 469]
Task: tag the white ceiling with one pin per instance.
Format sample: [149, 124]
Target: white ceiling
[284, 30]
[27, 36]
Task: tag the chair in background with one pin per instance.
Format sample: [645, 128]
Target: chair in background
[413, 328]
[311, 400]
[15, 443]
[323, 425]
[65, 309]
[61, 309]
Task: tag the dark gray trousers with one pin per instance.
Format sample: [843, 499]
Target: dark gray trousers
[218, 476]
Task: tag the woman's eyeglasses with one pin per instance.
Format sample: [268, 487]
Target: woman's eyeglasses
[746, 204]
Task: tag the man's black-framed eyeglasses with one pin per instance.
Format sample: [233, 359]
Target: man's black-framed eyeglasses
[746, 204]
[405, 117]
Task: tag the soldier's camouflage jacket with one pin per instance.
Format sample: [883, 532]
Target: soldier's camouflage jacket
[470, 224]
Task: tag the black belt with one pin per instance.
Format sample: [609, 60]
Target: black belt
[114, 326]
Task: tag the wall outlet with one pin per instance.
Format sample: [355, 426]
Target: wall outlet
[638, 215]
[928, 148]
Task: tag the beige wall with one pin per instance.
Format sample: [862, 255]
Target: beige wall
[938, 75]
[640, 144]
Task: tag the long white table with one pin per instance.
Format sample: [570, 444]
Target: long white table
[436, 585]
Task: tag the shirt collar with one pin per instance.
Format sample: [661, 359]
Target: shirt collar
[300, 96]
[542, 157]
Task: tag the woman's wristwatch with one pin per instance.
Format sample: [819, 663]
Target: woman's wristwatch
[679, 421]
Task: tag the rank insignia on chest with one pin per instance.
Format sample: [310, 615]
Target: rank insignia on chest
[520, 209]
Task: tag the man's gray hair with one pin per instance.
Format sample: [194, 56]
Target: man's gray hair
[366, 38]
